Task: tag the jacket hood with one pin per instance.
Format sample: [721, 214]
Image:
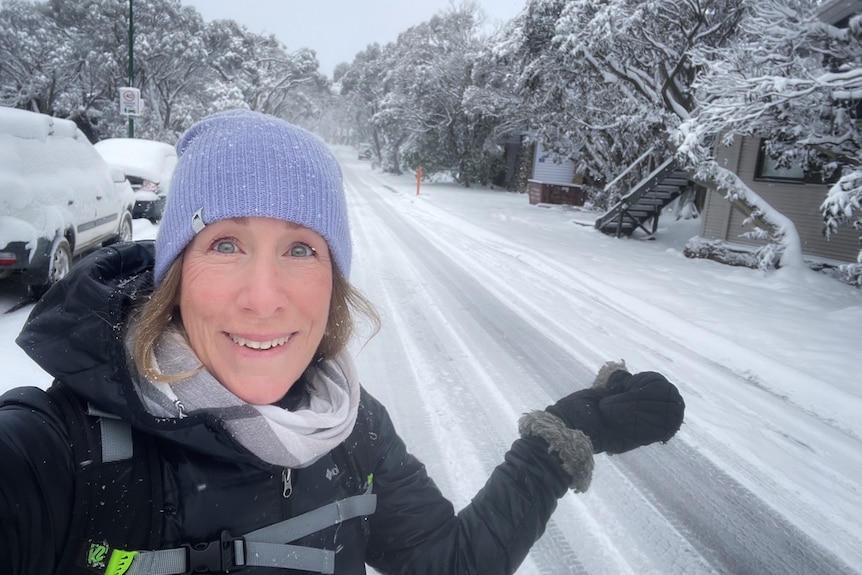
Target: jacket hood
[76, 333]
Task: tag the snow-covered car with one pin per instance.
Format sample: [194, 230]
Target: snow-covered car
[58, 198]
[148, 165]
[365, 151]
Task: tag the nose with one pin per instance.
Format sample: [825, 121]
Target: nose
[263, 289]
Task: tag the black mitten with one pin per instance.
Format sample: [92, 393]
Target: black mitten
[624, 411]
[618, 413]
[645, 409]
[580, 410]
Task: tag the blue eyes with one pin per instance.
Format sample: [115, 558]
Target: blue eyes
[302, 251]
[299, 250]
[225, 247]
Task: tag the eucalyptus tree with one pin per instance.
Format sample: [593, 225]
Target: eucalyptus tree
[438, 108]
[69, 59]
[170, 65]
[98, 35]
[607, 82]
[32, 52]
[362, 88]
[795, 80]
[258, 72]
[434, 74]
[51, 63]
[76, 55]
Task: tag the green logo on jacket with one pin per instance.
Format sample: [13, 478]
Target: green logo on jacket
[97, 554]
[116, 562]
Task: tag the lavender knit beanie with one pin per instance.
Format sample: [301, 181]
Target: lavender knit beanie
[246, 164]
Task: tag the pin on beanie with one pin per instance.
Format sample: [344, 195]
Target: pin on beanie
[245, 164]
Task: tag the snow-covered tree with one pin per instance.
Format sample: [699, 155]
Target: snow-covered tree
[33, 53]
[494, 115]
[170, 64]
[423, 107]
[361, 91]
[796, 81]
[434, 75]
[428, 99]
[69, 58]
[259, 69]
[67, 54]
[368, 92]
[608, 81]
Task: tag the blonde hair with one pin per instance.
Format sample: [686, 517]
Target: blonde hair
[157, 315]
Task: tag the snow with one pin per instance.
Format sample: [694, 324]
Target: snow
[24, 124]
[139, 157]
[51, 178]
[492, 307]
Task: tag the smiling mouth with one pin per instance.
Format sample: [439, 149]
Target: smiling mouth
[262, 345]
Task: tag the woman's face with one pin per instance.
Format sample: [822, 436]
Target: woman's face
[254, 299]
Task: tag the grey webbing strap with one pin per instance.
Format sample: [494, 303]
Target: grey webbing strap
[116, 436]
[317, 519]
[175, 561]
[268, 546]
[290, 557]
[163, 562]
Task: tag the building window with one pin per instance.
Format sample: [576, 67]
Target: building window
[768, 169]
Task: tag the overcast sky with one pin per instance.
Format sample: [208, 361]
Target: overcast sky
[338, 29]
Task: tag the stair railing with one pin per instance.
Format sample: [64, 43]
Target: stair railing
[619, 210]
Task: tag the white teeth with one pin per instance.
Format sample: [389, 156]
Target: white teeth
[259, 344]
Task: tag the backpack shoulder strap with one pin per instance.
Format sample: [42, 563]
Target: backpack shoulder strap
[118, 492]
[76, 424]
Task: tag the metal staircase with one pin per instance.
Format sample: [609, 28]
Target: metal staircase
[645, 201]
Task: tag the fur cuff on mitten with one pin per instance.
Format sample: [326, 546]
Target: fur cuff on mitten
[605, 372]
[571, 445]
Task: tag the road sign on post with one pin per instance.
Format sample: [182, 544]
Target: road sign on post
[130, 102]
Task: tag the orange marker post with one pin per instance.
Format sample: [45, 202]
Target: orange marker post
[418, 179]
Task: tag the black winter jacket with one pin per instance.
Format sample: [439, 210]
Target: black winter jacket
[210, 483]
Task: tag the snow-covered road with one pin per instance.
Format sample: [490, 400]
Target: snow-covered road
[492, 307]
[484, 322]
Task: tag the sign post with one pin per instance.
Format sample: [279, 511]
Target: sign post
[130, 102]
[131, 68]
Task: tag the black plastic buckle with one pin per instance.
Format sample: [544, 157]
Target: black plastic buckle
[215, 556]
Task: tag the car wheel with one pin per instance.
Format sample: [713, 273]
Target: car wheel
[59, 265]
[125, 232]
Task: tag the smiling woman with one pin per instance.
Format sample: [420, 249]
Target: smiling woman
[254, 298]
[207, 415]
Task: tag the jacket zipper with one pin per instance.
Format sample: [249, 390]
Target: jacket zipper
[287, 482]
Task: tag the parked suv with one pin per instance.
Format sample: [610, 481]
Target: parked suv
[148, 166]
[58, 198]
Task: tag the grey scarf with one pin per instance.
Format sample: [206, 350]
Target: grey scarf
[276, 435]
